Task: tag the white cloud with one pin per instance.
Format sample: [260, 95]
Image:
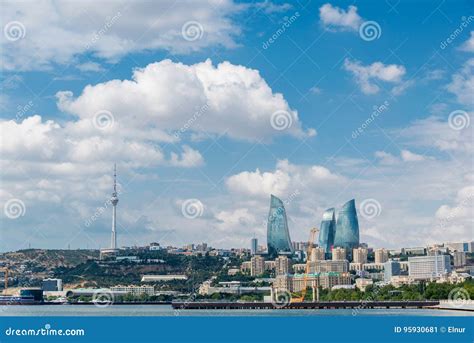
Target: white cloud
[366, 75]
[188, 158]
[436, 132]
[59, 31]
[185, 99]
[409, 156]
[335, 18]
[469, 44]
[90, 66]
[462, 84]
[286, 178]
[388, 159]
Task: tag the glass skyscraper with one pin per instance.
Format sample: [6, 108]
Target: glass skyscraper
[327, 230]
[278, 236]
[347, 227]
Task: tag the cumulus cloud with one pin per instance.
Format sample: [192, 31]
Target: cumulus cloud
[462, 84]
[386, 158]
[185, 99]
[112, 31]
[366, 76]
[469, 44]
[335, 18]
[409, 156]
[284, 180]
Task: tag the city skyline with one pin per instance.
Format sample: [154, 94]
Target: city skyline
[211, 110]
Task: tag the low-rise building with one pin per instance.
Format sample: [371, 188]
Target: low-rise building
[429, 267]
[362, 283]
[134, 290]
[167, 277]
[296, 282]
[52, 285]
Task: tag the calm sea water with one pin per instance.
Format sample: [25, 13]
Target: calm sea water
[167, 310]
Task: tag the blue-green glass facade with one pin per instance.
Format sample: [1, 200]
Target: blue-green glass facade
[278, 236]
[347, 227]
[327, 230]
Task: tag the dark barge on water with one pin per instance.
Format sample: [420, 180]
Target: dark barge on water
[211, 305]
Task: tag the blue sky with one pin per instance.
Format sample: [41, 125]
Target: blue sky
[186, 98]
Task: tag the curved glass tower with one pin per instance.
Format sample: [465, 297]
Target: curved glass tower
[278, 236]
[327, 230]
[347, 227]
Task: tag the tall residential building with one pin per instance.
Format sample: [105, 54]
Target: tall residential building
[257, 265]
[381, 255]
[459, 258]
[327, 230]
[278, 236]
[317, 254]
[338, 254]
[428, 267]
[282, 265]
[359, 255]
[391, 268]
[253, 246]
[347, 227]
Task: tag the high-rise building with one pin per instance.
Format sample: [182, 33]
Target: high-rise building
[278, 236]
[257, 265]
[359, 255]
[327, 230]
[253, 246]
[338, 254]
[459, 258]
[317, 254]
[282, 265]
[381, 255]
[347, 227]
[391, 268]
[428, 267]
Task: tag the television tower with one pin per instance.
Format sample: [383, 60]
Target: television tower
[114, 200]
